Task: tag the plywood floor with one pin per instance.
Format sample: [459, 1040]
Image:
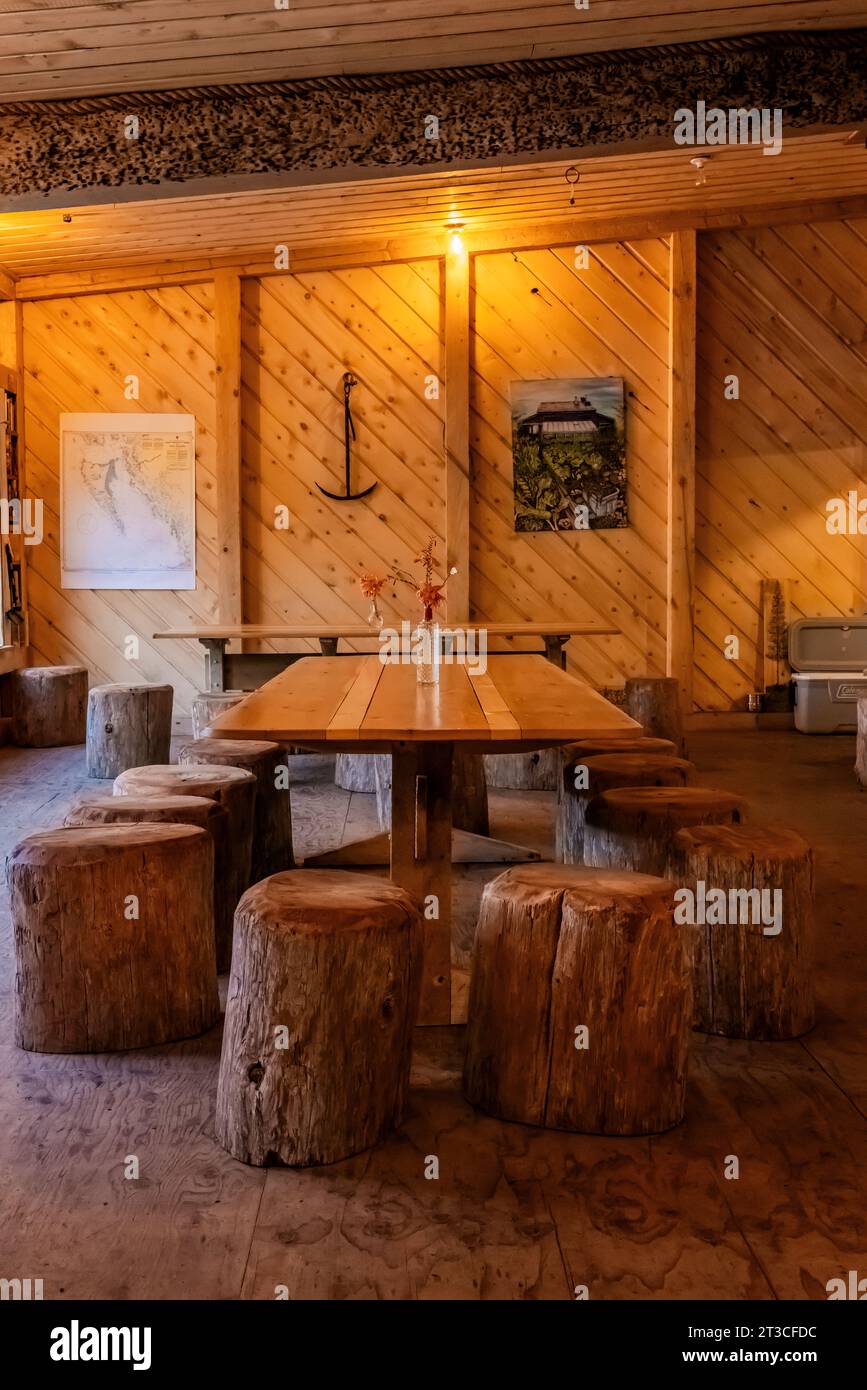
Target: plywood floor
[516, 1212]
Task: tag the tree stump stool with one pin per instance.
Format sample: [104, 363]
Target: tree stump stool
[210, 706]
[114, 937]
[600, 774]
[861, 741]
[654, 702]
[580, 1009]
[128, 726]
[48, 706]
[523, 772]
[355, 772]
[748, 984]
[235, 789]
[173, 810]
[633, 827]
[322, 1000]
[272, 819]
[641, 743]
[469, 792]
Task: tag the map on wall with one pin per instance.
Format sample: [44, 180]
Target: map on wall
[128, 501]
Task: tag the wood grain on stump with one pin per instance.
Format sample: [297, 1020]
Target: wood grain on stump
[523, 772]
[469, 791]
[127, 725]
[861, 742]
[748, 984]
[604, 771]
[174, 810]
[633, 827]
[114, 937]
[206, 708]
[234, 788]
[561, 949]
[642, 743]
[272, 821]
[322, 1000]
[356, 772]
[654, 702]
[48, 705]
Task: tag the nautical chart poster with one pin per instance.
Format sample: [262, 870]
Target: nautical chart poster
[569, 454]
[128, 501]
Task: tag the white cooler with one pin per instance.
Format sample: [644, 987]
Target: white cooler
[828, 657]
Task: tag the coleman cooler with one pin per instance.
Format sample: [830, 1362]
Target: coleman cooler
[828, 657]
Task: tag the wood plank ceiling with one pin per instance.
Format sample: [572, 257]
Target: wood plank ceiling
[58, 48]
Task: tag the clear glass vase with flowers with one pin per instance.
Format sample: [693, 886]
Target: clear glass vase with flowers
[425, 635]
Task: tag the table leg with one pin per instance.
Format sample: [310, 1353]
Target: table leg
[555, 649]
[421, 859]
[215, 653]
[328, 645]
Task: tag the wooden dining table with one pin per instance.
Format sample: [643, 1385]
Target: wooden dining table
[361, 705]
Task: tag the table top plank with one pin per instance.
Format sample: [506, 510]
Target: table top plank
[403, 709]
[299, 708]
[499, 717]
[550, 705]
[268, 632]
[351, 712]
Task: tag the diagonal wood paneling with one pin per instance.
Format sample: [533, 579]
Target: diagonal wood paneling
[300, 334]
[536, 316]
[784, 309]
[76, 356]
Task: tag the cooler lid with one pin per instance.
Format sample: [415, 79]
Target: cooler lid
[828, 644]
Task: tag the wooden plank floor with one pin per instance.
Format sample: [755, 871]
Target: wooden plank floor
[515, 1212]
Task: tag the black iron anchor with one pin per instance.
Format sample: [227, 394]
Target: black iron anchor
[348, 430]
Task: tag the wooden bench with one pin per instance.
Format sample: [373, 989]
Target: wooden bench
[322, 1001]
[580, 1008]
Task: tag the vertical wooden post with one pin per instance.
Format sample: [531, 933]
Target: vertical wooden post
[227, 320]
[680, 629]
[457, 431]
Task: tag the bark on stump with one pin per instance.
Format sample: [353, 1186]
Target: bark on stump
[747, 984]
[523, 772]
[235, 789]
[654, 702]
[603, 772]
[89, 977]
[128, 726]
[173, 810]
[562, 949]
[469, 792]
[355, 772]
[322, 1000]
[48, 706]
[861, 742]
[272, 819]
[208, 707]
[633, 827]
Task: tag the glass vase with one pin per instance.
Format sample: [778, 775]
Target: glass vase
[426, 654]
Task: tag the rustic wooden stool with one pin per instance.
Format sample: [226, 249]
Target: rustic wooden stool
[173, 810]
[654, 701]
[235, 789]
[272, 821]
[322, 1000]
[355, 772]
[469, 791]
[748, 984]
[580, 1009]
[861, 741]
[523, 772]
[641, 743]
[207, 707]
[114, 937]
[127, 726]
[604, 771]
[48, 705]
[633, 827]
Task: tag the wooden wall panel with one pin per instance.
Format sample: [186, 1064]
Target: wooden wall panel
[300, 334]
[76, 356]
[537, 316]
[785, 310]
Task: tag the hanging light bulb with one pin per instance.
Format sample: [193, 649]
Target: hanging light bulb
[456, 241]
[698, 163]
[571, 176]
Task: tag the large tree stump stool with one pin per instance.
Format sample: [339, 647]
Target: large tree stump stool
[48, 705]
[584, 778]
[127, 726]
[173, 810]
[355, 772]
[580, 1009]
[235, 789]
[469, 792]
[272, 820]
[641, 743]
[523, 772]
[861, 741]
[748, 984]
[114, 937]
[208, 707]
[322, 1000]
[633, 827]
[654, 702]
